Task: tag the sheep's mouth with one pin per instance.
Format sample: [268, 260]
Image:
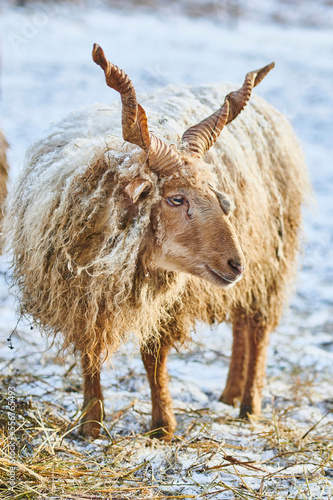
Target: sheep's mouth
[219, 279]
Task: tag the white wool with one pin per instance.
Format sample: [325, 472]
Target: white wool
[252, 152]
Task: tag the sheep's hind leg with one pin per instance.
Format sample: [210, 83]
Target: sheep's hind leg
[163, 420]
[93, 400]
[239, 362]
[258, 337]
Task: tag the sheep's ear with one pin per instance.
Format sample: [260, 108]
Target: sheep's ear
[226, 203]
[136, 188]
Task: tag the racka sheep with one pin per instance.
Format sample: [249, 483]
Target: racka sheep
[143, 236]
[3, 178]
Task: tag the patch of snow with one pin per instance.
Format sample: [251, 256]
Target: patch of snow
[47, 71]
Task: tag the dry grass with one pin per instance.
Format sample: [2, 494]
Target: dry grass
[212, 456]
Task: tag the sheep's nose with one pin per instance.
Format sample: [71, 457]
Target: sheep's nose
[237, 267]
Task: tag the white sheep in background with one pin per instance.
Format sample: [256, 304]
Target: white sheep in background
[141, 238]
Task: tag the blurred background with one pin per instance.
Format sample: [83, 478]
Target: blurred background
[46, 71]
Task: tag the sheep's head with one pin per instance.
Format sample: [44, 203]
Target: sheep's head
[194, 231]
[197, 235]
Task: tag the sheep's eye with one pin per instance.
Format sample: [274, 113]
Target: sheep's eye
[175, 201]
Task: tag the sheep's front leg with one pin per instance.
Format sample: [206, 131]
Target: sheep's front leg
[239, 362]
[92, 400]
[258, 337]
[163, 419]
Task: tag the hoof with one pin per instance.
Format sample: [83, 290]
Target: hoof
[164, 431]
[90, 421]
[247, 410]
[229, 399]
[90, 429]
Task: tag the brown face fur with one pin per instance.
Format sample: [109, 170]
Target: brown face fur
[197, 236]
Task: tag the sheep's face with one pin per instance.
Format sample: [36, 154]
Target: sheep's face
[197, 236]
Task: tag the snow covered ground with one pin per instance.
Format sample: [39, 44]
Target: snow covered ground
[46, 71]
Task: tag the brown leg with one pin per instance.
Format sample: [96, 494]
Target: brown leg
[239, 361]
[258, 342]
[93, 400]
[163, 419]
